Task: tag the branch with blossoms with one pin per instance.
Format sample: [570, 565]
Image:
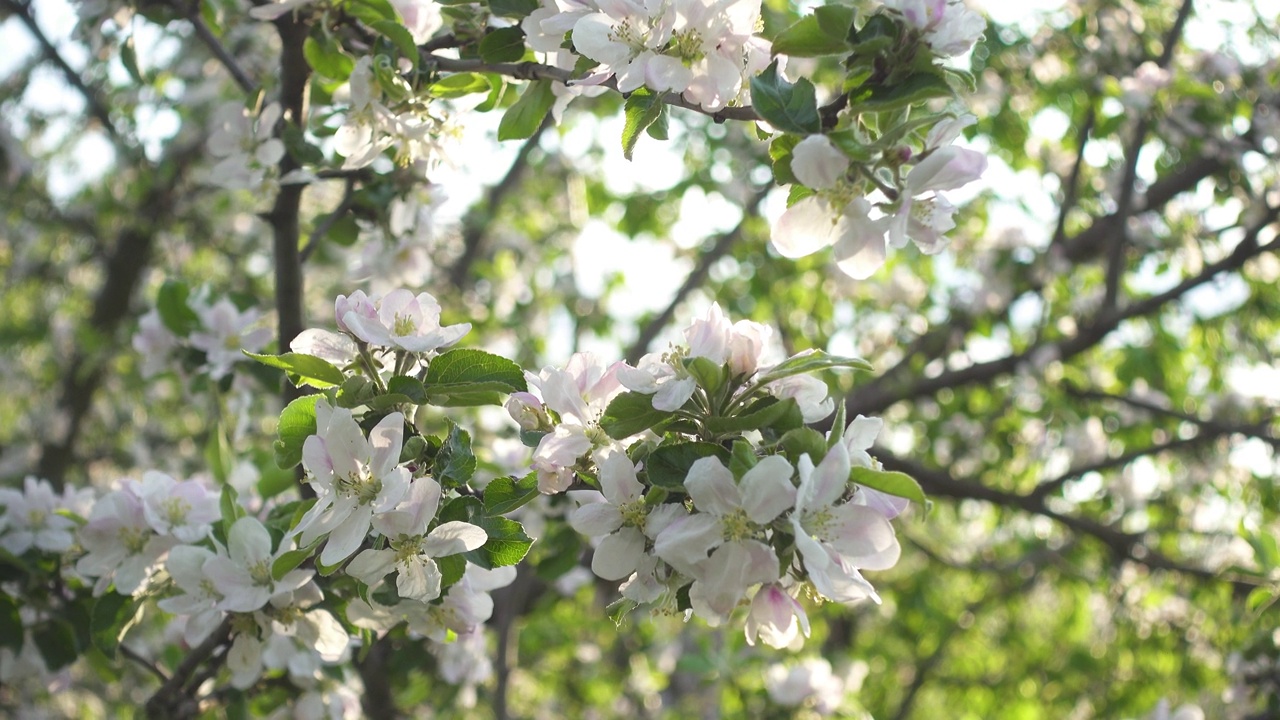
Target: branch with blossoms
[693, 473]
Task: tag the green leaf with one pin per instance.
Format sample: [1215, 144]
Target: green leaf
[302, 369]
[619, 609]
[288, 561]
[523, 118]
[410, 387]
[459, 85]
[455, 463]
[230, 509]
[371, 12]
[559, 550]
[810, 361]
[217, 453]
[643, 108]
[915, 88]
[786, 106]
[761, 414]
[56, 641]
[297, 423]
[466, 508]
[327, 58]
[630, 413]
[825, 32]
[503, 45]
[129, 58]
[742, 457]
[668, 465]
[466, 365]
[452, 568]
[113, 615]
[512, 8]
[174, 311]
[468, 394]
[12, 632]
[893, 483]
[709, 376]
[507, 543]
[399, 35]
[804, 441]
[504, 495]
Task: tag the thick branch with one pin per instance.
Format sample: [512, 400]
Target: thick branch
[171, 700]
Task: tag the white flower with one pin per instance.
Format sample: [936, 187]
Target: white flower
[776, 618]
[813, 224]
[154, 343]
[950, 28]
[354, 478]
[403, 321]
[619, 519]
[31, 519]
[859, 436]
[186, 510]
[810, 393]
[121, 543]
[810, 680]
[199, 599]
[410, 548]
[835, 540]
[225, 334]
[730, 523]
[578, 394]
[243, 576]
[421, 17]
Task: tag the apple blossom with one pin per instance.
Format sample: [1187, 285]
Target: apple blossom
[619, 519]
[775, 618]
[226, 334]
[122, 546]
[199, 598]
[31, 519]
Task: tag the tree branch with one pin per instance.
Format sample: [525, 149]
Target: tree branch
[192, 13]
[171, 700]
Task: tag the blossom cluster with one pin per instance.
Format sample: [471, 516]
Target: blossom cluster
[218, 330]
[758, 525]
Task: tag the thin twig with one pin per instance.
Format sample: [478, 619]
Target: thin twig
[145, 663]
[211, 41]
[324, 226]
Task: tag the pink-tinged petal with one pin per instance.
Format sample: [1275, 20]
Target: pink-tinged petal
[618, 554]
[345, 441]
[347, 537]
[890, 506]
[562, 448]
[686, 542]
[818, 163]
[419, 580]
[454, 537]
[595, 519]
[767, 491]
[947, 168]
[805, 228]
[732, 569]
[775, 617]
[863, 537]
[618, 479]
[248, 542]
[370, 566]
[712, 488]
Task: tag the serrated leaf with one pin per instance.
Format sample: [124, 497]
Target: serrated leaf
[668, 465]
[522, 119]
[455, 463]
[410, 387]
[507, 543]
[762, 414]
[642, 109]
[459, 85]
[302, 369]
[462, 509]
[175, 313]
[113, 615]
[825, 32]
[504, 495]
[503, 45]
[630, 413]
[809, 362]
[786, 106]
[466, 365]
[891, 482]
[399, 36]
[742, 457]
[297, 423]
